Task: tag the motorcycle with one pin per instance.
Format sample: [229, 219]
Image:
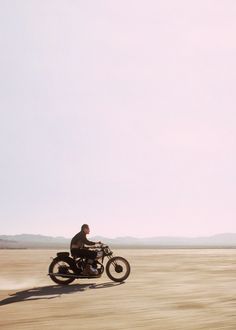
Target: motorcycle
[64, 269]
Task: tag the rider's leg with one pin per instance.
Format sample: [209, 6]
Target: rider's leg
[90, 258]
[91, 267]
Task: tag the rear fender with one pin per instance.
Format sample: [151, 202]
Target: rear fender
[69, 260]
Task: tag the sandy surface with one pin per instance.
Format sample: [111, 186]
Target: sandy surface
[167, 289]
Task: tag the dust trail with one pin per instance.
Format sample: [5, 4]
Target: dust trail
[6, 284]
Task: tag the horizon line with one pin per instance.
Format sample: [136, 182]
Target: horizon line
[127, 236]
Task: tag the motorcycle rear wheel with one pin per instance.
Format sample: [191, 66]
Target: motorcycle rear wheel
[56, 267]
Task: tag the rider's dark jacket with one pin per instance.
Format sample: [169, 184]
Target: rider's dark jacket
[80, 240]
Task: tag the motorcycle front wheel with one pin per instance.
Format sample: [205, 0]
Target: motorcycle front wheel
[118, 269]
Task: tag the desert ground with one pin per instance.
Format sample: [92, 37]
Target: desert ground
[167, 289]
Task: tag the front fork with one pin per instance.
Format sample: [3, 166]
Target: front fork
[110, 257]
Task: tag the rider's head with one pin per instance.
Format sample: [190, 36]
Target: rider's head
[85, 229]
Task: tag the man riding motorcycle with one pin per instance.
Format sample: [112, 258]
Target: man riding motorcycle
[79, 250]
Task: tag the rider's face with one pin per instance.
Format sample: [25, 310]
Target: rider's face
[87, 230]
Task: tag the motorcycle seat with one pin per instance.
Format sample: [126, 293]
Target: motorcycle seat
[63, 254]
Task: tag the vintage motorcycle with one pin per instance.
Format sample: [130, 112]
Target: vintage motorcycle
[64, 269]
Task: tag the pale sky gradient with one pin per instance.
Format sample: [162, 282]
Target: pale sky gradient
[121, 114]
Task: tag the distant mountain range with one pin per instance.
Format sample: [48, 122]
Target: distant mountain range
[226, 240]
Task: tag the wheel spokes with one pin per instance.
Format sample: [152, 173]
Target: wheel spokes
[62, 268]
[118, 269]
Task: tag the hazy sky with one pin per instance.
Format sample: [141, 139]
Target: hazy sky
[121, 114]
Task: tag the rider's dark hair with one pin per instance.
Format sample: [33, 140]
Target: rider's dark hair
[85, 226]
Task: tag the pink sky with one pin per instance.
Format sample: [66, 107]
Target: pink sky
[120, 114]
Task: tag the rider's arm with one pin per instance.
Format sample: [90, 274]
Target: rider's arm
[90, 243]
[87, 242]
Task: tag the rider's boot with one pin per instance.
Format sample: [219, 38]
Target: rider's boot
[93, 270]
[89, 270]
